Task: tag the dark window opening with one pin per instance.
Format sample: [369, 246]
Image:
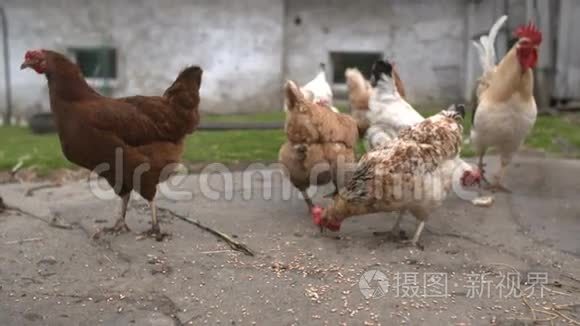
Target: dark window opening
[97, 62]
[343, 60]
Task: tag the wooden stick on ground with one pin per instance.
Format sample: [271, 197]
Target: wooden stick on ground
[556, 309]
[52, 222]
[235, 245]
[23, 241]
[31, 190]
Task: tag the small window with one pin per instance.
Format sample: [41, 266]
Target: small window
[96, 62]
[361, 60]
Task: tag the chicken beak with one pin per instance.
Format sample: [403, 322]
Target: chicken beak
[24, 65]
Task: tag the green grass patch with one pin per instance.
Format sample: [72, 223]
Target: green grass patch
[233, 146]
[39, 151]
[559, 135]
[275, 116]
[556, 134]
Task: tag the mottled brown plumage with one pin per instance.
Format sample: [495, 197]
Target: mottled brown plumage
[318, 141]
[144, 133]
[413, 172]
[307, 122]
[418, 150]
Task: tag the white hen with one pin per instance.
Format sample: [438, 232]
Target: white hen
[318, 90]
[388, 112]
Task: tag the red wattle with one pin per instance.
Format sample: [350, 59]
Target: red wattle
[316, 215]
[335, 227]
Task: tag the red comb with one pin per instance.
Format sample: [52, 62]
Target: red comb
[33, 54]
[317, 219]
[529, 31]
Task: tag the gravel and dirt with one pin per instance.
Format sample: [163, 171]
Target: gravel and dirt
[525, 247]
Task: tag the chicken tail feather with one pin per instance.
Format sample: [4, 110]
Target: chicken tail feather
[184, 92]
[485, 47]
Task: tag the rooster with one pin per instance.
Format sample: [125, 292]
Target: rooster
[318, 141]
[413, 172]
[506, 109]
[133, 142]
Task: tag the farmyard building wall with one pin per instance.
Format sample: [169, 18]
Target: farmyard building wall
[238, 44]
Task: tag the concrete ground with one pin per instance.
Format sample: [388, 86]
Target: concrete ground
[53, 273]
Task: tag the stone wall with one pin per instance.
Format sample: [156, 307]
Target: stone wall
[426, 41]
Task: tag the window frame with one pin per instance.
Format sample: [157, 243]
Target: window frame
[98, 82]
[366, 72]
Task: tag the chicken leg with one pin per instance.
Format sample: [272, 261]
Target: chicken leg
[481, 166]
[395, 233]
[421, 214]
[120, 226]
[307, 199]
[155, 231]
[497, 185]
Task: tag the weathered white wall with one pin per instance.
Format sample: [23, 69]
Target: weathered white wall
[237, 43]
[248, 47]
[567, 83]
[426, 39]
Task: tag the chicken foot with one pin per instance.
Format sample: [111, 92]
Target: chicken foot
[414, 242]
[120, 226]
[155, 231]
[497, 185]
[421, 214]
[395, 233]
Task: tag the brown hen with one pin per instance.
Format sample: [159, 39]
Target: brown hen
[133, 142]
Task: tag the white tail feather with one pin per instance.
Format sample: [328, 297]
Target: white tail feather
[319, 87]
[485, 47]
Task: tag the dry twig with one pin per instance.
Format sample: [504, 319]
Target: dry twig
[216, 252]
[31, 190]
[569, 319]
[53, 222]
[553, 312]
[23, 241]
[235, 245]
